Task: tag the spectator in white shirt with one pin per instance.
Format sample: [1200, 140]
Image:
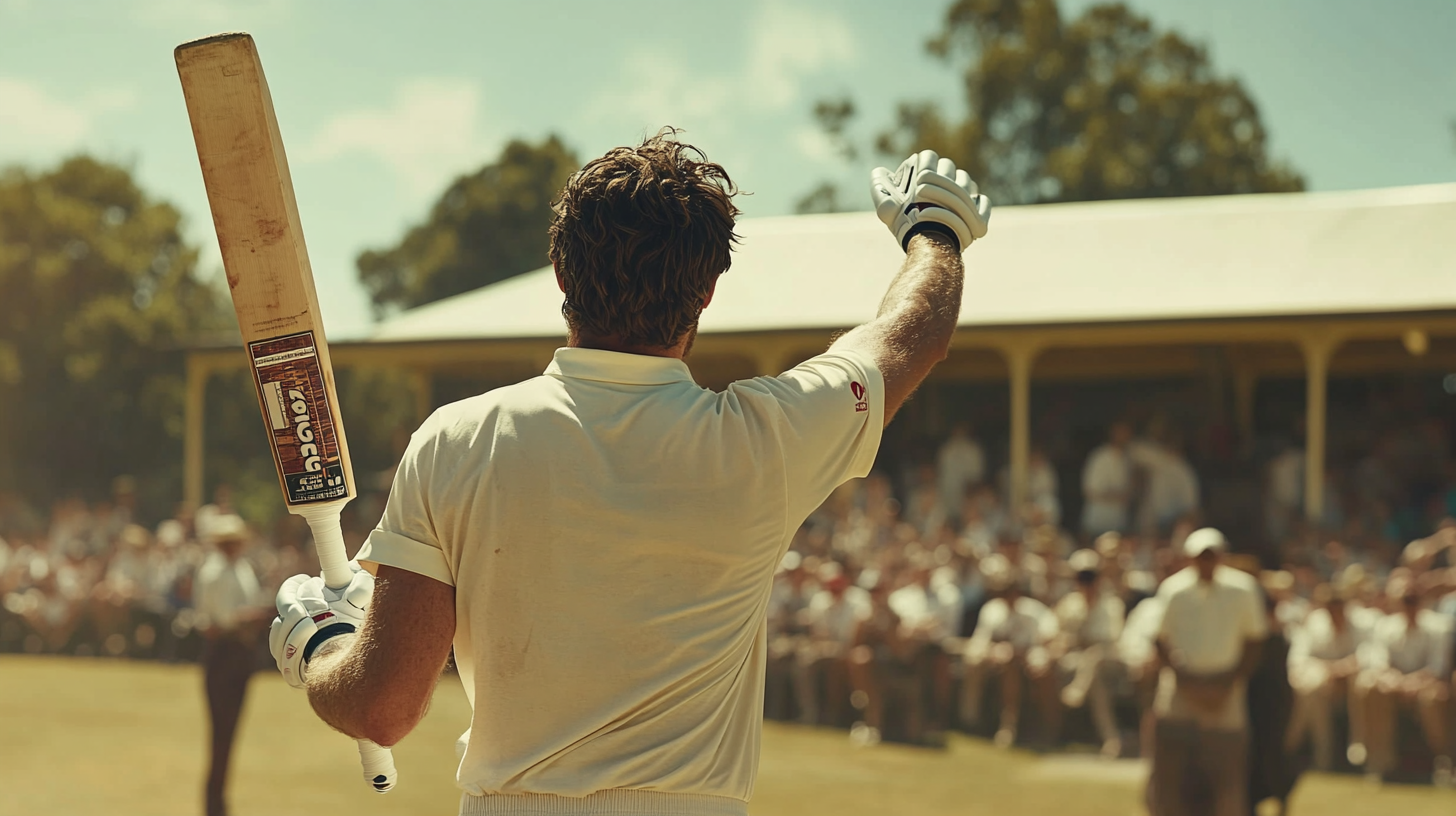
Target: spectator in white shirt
[1010, 641]
[930, 608]
[1172, 485]
[1210, 640]
[1405, 664]
[116, 596]
[1041, 486]
[1107, 484]
[961, 464]
[882, 665]
[1284, 493]
[833, 614]
[1090, 620]
[1323, 661]
[1138, 653]
[788, 599]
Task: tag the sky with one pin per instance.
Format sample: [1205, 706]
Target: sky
[382, 103]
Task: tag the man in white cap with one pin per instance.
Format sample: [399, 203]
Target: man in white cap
[1090, 620]
[231, 606]
[1209, 643]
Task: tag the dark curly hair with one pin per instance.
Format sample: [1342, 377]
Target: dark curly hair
[638, 238]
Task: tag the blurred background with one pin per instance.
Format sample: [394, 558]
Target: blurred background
[1221, 291]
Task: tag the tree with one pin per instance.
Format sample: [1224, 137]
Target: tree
[488, 226]
[833, 116]
[96, 287]
[1100, 107]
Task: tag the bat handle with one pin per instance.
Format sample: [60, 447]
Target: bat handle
[328, 539]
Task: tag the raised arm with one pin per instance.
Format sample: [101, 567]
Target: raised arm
[912, 331]
[934, 211]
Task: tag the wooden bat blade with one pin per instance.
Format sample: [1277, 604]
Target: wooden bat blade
[245, 170]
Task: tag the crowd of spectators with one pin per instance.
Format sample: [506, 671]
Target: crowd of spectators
[917, 602]
[88, 580]
[914, 603]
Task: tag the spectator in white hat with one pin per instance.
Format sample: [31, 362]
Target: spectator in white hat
[1322, 667]
[1209, 641]
[1009, 641]
[1090, 620]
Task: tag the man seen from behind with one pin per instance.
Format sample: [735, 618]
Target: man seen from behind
[598, 543]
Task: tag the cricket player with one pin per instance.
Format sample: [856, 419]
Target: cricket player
[598, 543]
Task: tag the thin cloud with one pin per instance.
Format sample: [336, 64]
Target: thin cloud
[788, 44]
[35, 122]
[429, 132]
[785, 46]
[216, 13]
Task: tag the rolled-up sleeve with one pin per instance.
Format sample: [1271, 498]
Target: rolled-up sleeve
[406, 536]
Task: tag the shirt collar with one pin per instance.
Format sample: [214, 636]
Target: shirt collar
[617, 367]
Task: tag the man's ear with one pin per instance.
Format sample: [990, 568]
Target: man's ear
[712, 288]
[560, 284]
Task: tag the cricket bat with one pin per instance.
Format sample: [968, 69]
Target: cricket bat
[258, 230]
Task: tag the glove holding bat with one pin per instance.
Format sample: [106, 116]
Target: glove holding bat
[310, 614]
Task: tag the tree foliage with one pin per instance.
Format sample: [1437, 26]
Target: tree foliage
[486, 227]
[1102, 106]
[96, 288]
[833, 117]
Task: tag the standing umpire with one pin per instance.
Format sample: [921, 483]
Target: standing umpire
[1210, 642]
[229, 601]
[598, 543]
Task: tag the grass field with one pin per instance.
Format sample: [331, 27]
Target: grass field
[112, 738]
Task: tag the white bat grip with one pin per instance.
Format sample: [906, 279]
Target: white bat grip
[378, 766]
[328, 540]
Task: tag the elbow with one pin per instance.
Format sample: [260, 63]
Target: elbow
[384, 727]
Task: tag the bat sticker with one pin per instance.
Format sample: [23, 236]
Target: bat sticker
[301, 426]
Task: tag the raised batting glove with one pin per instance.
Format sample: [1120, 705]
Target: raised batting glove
[310, 613]
[928, 192]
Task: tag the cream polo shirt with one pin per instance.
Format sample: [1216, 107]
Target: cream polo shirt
[612, 530]
[224, 589]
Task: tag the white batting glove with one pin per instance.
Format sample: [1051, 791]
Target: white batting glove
[310, 613]
[928, 192]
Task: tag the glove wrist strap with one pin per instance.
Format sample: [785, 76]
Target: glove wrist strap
[931, 226]
[329, 632]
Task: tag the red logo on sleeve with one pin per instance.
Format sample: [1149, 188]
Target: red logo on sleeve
[860, 405]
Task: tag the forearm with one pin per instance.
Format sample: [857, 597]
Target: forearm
[917, 317]
[337, 688]
[346, 695]
[927, 290]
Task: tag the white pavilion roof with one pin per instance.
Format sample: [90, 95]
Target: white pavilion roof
[1277, 255]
